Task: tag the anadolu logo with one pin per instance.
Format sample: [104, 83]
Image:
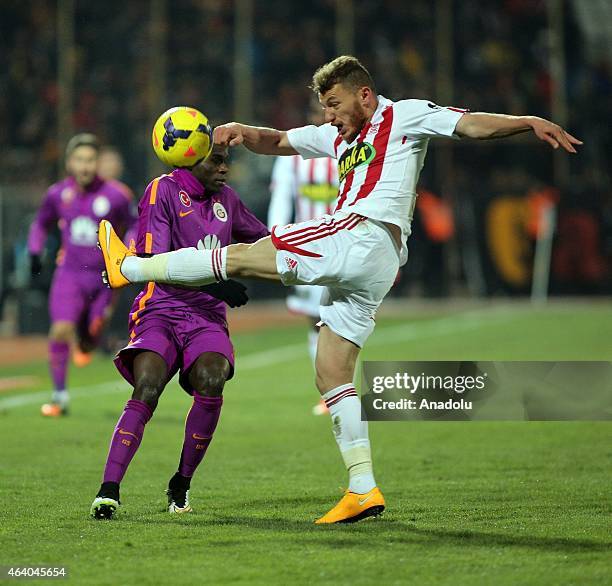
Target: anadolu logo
[361, 154]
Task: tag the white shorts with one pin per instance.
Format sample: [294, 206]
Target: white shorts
[306, 300]
[354, 257]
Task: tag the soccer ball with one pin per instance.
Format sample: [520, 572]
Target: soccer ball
[182, 137]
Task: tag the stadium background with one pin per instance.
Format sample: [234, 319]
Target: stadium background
[111, 68]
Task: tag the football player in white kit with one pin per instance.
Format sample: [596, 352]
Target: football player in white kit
[303, 189]
[355, 252]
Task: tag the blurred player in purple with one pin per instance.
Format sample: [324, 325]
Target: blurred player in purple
[174, 329]
[79, 304]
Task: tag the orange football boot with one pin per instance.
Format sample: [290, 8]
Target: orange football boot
[113, 251]
[80, 358]
[355, 507]
[53, 410]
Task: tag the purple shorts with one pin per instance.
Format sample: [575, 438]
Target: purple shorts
[82, 298]
[179, 337]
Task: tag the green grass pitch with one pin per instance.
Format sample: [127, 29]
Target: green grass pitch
[468, 503]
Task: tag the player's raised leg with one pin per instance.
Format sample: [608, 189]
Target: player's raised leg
[186, 266]
[150, 377]
[335, 365]
[206, 378]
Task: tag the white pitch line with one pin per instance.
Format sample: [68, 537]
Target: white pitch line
[402, 333]
[103, 388]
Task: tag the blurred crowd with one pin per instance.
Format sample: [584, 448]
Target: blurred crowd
[501, 63]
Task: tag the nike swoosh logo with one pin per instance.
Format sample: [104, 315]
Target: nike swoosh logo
[122, 432]
[365, 500]
[183, 214]
[195, 436]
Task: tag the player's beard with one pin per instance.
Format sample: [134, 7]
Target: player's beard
[85, 179]
[357, 120]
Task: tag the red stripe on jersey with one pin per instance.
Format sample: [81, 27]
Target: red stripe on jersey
[348, 182]
[460, 110]
[347, 187]
[337, 143]
[330, 180]
[322, 226]
[353, 220]
[380, 146]
[307, 229]
[327, 231]
[281, 245]
[348, 226]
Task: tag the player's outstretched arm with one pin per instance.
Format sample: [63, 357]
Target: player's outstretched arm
[486, 126]
[263, 141]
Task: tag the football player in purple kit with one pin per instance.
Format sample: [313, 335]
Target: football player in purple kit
[79, 304]
[174, 329]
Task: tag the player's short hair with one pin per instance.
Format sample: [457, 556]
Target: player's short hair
[346, 70]
[82, 139]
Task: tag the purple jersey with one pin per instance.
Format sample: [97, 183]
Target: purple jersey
[174, 213]
[78, 212]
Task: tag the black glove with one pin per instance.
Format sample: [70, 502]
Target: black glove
[232, 292]
[35, 265]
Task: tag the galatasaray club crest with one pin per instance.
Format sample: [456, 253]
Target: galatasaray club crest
[67, 195]
[219, 211]
[185, 199]
[101, 206]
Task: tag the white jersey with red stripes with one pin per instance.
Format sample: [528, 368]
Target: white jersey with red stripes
[302, 189]
[379, 170]
[353, 257]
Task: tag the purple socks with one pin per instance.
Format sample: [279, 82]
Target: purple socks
[200, 425]
[59, 352]
[199, 428]
[126, 439]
